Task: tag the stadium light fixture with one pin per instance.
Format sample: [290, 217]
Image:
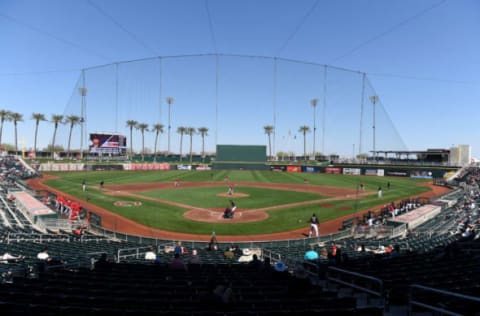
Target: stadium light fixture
[374, 99]
[314, 103]
[170, 101]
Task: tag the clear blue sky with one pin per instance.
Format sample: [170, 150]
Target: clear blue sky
[420, 57]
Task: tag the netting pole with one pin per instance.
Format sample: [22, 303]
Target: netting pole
[216, 98]
[324, 108]
[314, 103]
[374, 100]
[116, 97]
[83, 93]
[160, 90]
[361, 113]
[274, 101]
[170, 101]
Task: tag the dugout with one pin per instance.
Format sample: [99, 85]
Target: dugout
[246, 157]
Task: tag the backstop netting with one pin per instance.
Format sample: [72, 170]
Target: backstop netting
[233, 98]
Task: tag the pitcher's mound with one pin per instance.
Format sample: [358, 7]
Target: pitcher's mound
[216, 216]
[234, 195]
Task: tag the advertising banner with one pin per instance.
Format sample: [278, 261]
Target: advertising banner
[380, 172]
[108, 143]
[333, 170]
[203, 167]
[397, 173]
[421, 174]
[352, 171]
[184, 167]
[309, 169]
[278, 168]
[294, 169]
[146, 166]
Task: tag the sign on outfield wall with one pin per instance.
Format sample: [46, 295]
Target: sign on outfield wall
[422, 174]
[309, 169]
[184, 167]
[146, 166]
[278, 168]
[294, 169]
[352, 171]
[397, 173]
[62, 166]
[375, 172]
[203, 167]
[333, 170]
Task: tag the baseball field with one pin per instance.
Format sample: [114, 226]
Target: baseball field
[192, 202]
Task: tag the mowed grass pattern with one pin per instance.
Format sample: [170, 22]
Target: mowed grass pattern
[168, 217]
[208, 197]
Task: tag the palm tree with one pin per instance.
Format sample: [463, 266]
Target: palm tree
[16, 117]
[143, 127]
[203, 132]
[4, 116]
[190, 131]
[181, 130]
[131, 124]
[56, 119]
[158, 129]
[314, 103]
[269, 130]
[37, 117]
[304, 130]
[73, 120]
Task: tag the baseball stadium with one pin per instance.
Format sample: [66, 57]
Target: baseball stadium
[232, 184]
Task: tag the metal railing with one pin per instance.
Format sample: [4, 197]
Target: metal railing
[135, 253]
[303, 242]
[447, 297]
[361, 282]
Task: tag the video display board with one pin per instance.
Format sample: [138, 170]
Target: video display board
[108, 143]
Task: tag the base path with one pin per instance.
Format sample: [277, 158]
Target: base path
[118, 223]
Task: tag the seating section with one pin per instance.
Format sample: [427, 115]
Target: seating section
[126, 289]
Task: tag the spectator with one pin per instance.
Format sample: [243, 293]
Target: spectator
[300, 283]
[151, 255]
[195, 258]
[43, 254]
[179, 249]
[103, 263]
[280, 271]
[213, 244]
[255, 263]
[395, 252]
[228, 254]
[78, 232]
[7, 258]
[177, 263]
[311, 254]
[237, 251]
[223, 293]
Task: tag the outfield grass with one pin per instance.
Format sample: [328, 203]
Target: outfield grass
[167, 217]
[208, 197]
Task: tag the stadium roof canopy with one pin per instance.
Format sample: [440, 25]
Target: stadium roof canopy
[413, 152]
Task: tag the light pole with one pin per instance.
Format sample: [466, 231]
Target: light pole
[314, 103]
[83, 92]
[374, 100]
[170, 101]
